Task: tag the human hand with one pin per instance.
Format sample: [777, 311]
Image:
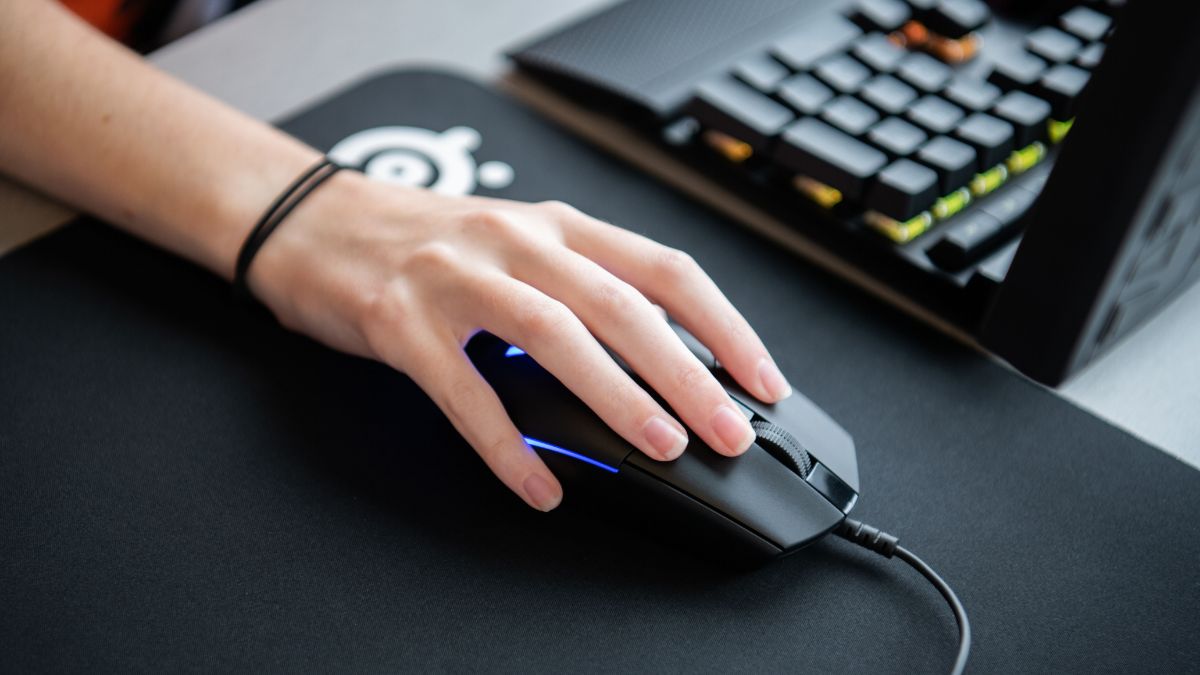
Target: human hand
[407, 276]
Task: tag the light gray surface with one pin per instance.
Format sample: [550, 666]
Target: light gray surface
[277, 56]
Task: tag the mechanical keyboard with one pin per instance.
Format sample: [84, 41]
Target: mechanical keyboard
[898, 117]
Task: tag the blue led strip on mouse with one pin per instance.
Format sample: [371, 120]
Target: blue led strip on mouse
[514, 351]
[569, 453]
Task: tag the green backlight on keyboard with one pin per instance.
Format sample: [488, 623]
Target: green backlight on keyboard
[987, 182]
[952, 203]
[899, 232]
[1058, 130]
[1026, 158]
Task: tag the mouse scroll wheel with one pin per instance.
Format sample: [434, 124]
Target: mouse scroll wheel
[783, 446]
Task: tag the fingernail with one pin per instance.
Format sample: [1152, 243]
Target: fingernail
[664, 437]
[733, 429]
[544, 497]
[773, 381]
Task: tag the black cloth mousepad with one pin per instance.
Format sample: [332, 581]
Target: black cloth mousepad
[186, 485]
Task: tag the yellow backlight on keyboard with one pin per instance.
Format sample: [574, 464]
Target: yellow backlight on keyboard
[1026, 158]
[817, 191]
[899, 232]
[733, 149]
[952, 203]
[1058, 130]
[987, 182]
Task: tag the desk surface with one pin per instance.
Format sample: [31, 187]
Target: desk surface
[1149, 385]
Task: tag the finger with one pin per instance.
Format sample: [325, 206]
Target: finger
[673, 279]
[624, 319]
[442, 369]
[558, 340]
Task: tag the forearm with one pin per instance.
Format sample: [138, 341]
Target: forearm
[91, 123]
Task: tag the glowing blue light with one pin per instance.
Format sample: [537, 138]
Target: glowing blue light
[514, 351]
[563, 451]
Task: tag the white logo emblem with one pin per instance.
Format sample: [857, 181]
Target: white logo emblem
[417, 157]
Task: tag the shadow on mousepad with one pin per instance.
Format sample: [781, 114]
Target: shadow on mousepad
[184, 484]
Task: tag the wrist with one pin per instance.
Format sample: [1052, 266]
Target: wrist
[307, 271]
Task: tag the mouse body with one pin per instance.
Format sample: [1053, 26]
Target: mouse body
[797, 482]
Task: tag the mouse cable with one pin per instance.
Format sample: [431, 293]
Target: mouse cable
[888, 546]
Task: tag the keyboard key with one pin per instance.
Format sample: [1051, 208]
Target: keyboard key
[1053, 45]
[878, 52]
[1010, 205]
[1060, 87]
[953, 160]
[814, 40]
[850, 115]
[888, 94]
[956, 18]
[896, 137]
[935, 114]
[884, 15]
[1026, 113]
[1017, 71]
[728, 106]
[903, 189]
[1090, 56]
[924, 72]
[805, 93]
[842, 73]
[761, 71]
[1085, 23]
[972, 94]
[991, 138]
[815, 149]
[968, 237]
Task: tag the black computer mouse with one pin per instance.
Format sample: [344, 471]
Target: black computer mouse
[797, 482]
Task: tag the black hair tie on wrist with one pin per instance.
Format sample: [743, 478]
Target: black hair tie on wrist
[279, 209]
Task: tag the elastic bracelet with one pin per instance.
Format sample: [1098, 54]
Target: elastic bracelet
[279, 209]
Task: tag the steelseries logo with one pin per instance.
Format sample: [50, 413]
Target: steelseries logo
[416, 157]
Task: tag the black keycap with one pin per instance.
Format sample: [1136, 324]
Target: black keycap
[888, 94]
[814, 40]
[880, 53]
[884, 15]
[953, 160]
[935, 114]
[972, 93]
[896, 137]
[1026, 113]
[815, 149]
[1053, 45]
[726, 105]
[1090, 56]
[968, 237]
[924, 72]
[903, 189]
[842, 73]
[956, 18]
[1060, 87]
[850, 115]
[1086, 23]
[1010, 205]
[804, 93]
[761, 71]
[991, 138]
[1017, 71]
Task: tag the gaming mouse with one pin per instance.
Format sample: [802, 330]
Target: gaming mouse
[797, 482]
